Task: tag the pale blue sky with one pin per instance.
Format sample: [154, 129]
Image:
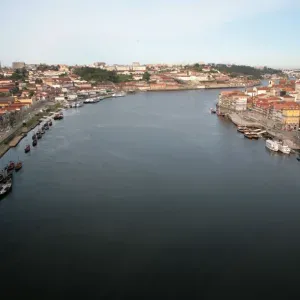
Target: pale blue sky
[254, 32]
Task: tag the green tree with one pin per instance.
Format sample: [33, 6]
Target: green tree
[19, 74]
[146, 76]
[100, 75]
[38, 81]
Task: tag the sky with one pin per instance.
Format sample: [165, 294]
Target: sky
[250, 32]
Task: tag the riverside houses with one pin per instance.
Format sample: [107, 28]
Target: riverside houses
[233, 100]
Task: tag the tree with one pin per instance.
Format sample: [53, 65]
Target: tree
[38, 81]
[100, 75]
[146, 76]
[19, 74]
[15, 90]
[12, 119]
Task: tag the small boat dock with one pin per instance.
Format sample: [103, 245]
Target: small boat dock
[16, 140]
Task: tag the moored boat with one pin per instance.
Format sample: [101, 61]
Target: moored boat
[34, 136]
[27, 148]
[213, 111]
[18, 166]
[251, 135]
[10, 166]
[58, 116]
[272, 145]
[284, 148]
[242, 129]
[34, 143]
[50, 122]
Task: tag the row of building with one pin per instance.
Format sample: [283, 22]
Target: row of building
[280, 102]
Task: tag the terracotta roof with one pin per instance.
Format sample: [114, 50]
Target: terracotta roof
[286, 105]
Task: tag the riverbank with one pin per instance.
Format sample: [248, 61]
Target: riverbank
[19, 132]
[290, 138]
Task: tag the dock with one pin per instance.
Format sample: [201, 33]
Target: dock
[16, 140]
[238, 121]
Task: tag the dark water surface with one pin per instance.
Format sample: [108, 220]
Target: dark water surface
[150, 196]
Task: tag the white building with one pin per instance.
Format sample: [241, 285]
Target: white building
[122, 68]
[240, 103]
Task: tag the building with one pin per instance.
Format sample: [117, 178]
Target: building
[121, 68]
[18, 65]
[287, 98]
[233, 100]
[288, 114]
[139, 68]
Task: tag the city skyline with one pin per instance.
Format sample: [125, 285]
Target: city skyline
[253, 33]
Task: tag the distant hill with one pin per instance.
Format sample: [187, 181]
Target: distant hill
[241, 70]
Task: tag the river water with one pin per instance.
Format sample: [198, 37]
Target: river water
[150, 196]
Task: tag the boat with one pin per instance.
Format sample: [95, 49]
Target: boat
[58, 116]
[18, 166]
[46, 127]
[284, 148]
[42, 130]
[10, 166]
[250, 135]
[50, 122]
[27, 148]
[120, 94]
[213, 111]
[272, 145]
[39, 135]
[242, 129]
[34, 143]
[298, 158]
[6, 185]
[34, 136]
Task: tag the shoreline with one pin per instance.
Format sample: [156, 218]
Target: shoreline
[19, 133]
[197, 88]
[240, 121]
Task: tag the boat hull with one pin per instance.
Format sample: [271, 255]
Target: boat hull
[271, 145]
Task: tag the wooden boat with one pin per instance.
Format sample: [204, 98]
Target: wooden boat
[34, 136]
[27, 148]
[10, 166]
[18, 166]
[50, 122]
[34, 143]
[251, 136]
[242, 129]
[58, 116]
[298, 158]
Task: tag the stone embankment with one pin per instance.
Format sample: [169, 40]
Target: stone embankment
[292, 139]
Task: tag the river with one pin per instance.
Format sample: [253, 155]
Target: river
[150, 196]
